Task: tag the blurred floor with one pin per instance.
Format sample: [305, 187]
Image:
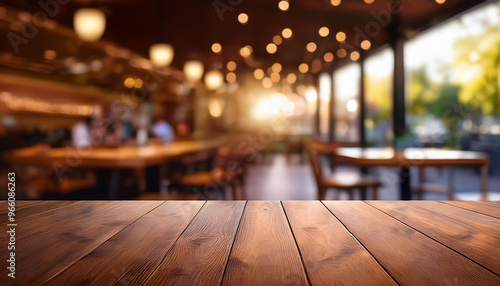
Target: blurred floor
[279, 179]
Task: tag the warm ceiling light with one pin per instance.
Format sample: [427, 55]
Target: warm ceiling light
[193, 70]
[246, 51]
[215, 107]
[49, 54]
[129, 82]
[366, 45]
[311, 47]
[275, 77]
[267, 82]
[341, 53]
[335, 2]
[369, 1]
[216, 48]
[89, 24]
[276, 67]
[243, 18]
[231, 77]
[231, 66]
[355, 56]
[138, 83]
[328, 57]
[291, 78]
[161, 54]
[258, 74]
[340, 36]
[440, 1]
[303, 67]
[214, 79]
[277, 40]
[271, 48]
[283, 5]
[324, 31]
[287, 33]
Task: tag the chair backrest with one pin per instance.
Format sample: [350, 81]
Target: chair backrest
[315, 161]
[326, 147]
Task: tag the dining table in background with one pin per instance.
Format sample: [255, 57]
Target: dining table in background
[254, 243]
[415, 157]
[108, 162]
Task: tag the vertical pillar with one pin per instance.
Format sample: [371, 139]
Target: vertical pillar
[361, 106]
[331, 113]
[399, 106]
[317, 130]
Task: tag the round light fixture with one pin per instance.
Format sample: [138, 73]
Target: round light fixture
[193, 70]
[214, 79]
[161, 54]
[89, 24]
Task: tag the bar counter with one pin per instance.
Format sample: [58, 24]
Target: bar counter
[254, 243]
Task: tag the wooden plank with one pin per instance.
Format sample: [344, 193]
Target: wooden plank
[470, 241]
[264, 251]
[477, 207]
[61, 215]
[48, 244]
[201, 252]
[489, 225]
[25, 210]
[19, 204]
[331, 255]
[408, 255]
[109, 264]
[27, 202]
[492, 203]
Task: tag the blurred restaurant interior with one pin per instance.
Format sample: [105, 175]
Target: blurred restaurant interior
[257, 100]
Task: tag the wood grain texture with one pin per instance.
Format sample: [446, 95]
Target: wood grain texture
[487, 224]
[331, 255]
[408, 255]
[25, 210]
[264, 252]
[133, 254]
[200, 254]
[49, 243]
[472, 242]
[477, 207]
[4, 205]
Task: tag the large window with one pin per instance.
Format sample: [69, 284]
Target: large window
[346, 91]
[453, 74]
[379, 73]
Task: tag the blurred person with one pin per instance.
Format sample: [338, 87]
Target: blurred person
[80, 133]
[114, 133]
[163, 130]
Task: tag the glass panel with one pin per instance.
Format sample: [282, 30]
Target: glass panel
[325, 95]
[452, 85]
[379, 73]
[346, 90]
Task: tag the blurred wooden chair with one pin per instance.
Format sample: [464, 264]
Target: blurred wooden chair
[425, 187]
[226, 172]
[338, 180]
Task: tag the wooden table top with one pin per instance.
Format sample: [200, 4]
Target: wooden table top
[119, 157]
[255, 243]
[410, 157]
